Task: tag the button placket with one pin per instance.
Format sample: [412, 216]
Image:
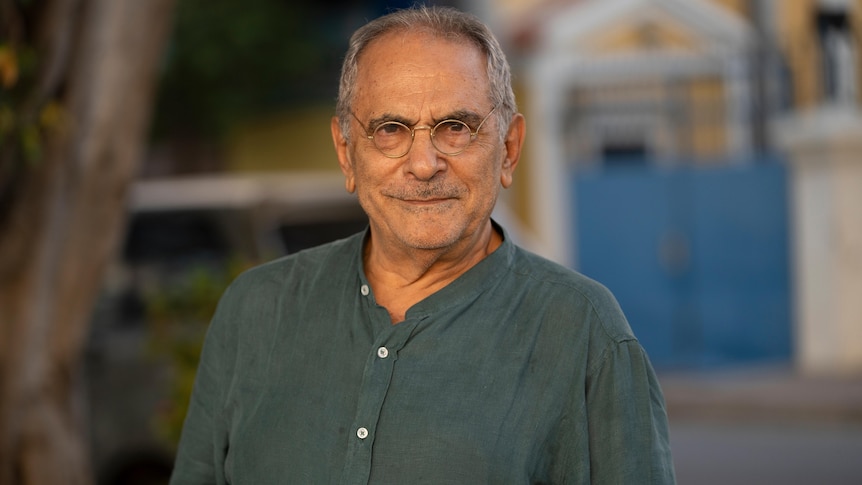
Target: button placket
[379, 367]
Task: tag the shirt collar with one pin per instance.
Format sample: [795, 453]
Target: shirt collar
[466, 287]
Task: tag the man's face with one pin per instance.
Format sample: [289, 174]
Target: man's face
[424, 199]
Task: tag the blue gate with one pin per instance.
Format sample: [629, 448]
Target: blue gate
[698, 258]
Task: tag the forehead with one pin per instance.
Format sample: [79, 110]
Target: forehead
[411, 67]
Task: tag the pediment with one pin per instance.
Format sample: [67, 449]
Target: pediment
[616, 27]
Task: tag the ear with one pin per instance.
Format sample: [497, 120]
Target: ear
[343, 153]
[514, 141]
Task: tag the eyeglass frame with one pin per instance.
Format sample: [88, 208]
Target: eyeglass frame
[432, 129]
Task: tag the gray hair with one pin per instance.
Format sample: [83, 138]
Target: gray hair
[444, 22]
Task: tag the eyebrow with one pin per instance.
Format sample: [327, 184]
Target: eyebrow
[470, 117]
[386, 117]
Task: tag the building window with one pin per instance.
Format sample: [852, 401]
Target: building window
[624, 153]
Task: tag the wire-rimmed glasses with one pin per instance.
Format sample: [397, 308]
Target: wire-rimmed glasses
[449, 137]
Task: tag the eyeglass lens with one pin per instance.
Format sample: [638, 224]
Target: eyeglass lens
[448, 136]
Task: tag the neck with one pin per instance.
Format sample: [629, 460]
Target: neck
[402, 277]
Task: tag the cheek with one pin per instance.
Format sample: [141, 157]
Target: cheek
[488, 173]
[484, 186]
[363, 168]
[369, 180]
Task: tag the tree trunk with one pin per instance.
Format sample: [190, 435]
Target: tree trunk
[61, 219]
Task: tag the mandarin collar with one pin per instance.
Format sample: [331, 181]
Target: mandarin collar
[475, 280]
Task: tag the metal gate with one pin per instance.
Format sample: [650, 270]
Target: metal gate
[698, 258]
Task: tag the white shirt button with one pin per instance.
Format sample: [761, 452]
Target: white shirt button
[364, 290]
[362, 433]
[383, 352]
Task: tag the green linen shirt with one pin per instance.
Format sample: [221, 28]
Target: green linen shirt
[518, 372]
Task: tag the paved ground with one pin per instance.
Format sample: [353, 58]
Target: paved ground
[712, 453]
[764, 393]
[764, 426]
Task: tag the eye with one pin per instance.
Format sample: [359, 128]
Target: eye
[452, 127]
[389, 129]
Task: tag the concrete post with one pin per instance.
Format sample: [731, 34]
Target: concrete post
[825, 152]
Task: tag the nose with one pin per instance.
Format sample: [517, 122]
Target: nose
[423, 160]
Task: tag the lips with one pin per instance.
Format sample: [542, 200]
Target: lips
[427, 201]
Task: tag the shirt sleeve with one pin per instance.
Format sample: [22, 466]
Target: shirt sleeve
[203, 443]
[627, 420]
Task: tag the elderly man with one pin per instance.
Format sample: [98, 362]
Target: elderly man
[428, 349]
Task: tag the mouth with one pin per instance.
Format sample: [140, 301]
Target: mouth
[430, 200]
[427, 202]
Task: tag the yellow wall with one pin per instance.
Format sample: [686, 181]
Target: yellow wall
[740, 7]
[518, 197]
[707, 112]
[642, 35]
[297, 140]
[797, 40]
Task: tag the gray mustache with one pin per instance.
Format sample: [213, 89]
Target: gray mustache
[434, 191]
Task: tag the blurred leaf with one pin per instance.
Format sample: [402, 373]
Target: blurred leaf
[53, 116]
[7, 120]
[31, 143]
[8, 66]
[178, 316]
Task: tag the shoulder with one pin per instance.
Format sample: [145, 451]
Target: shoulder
[336, 254]
[292, 274]
[251, 308]
[574, 290]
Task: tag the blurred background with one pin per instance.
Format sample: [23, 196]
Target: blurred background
[701, 158]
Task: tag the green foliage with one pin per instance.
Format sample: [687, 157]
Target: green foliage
[30, 108]
[178, 316]
[24, 119]
[231, 60]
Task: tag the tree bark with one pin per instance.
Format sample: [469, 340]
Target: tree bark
[62, 220]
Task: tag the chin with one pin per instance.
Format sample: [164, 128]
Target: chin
[434, 233]
[430, 235]
[429, 242]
